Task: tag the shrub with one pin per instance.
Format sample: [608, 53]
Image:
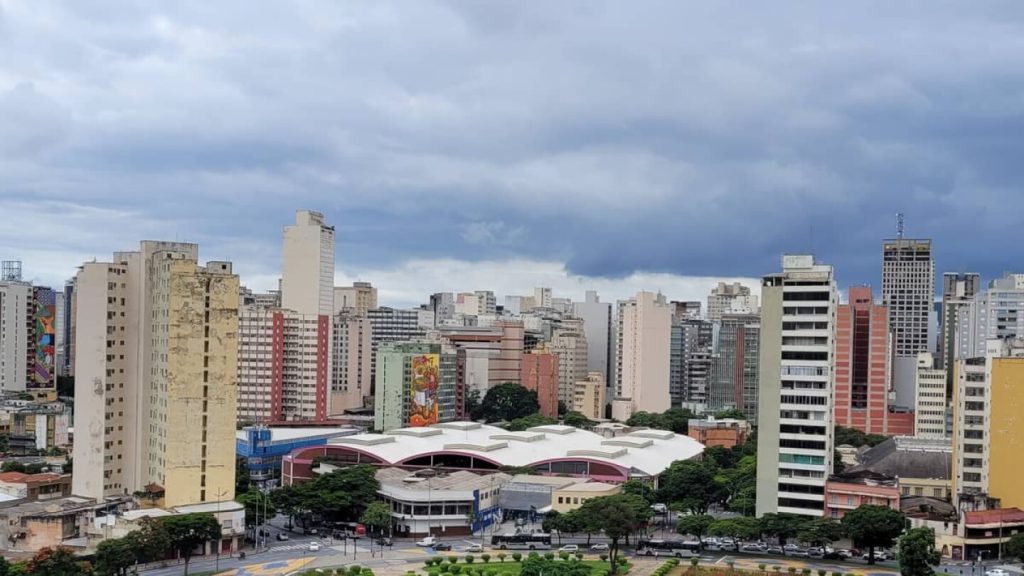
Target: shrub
[502, 556]
[445, 568]
[367, 572]
[517, 556]
[453, 559]
[604, 557]
[455, 569]
[837, 574]
[776, 569]
[694, 561]
[549, 555]
[791, 570]
[822, 572]
[562, 555]
[761, 567]
[623, 561]
[486, 558]
[469, 558]
[579, 555]
[806, 572]
[533, 555]
[428, 562]
[355, 569]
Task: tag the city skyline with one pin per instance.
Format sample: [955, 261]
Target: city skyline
[661, 145]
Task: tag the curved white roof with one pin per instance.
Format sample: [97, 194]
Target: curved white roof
[647, 452]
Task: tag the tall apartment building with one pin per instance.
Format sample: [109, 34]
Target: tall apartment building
[930, 408]
[642, 356]
[863, 377]
[597, 327]
[733, 298]
[958, 290]
[15, 302]
[307, 281]
[360, 298]
[415, 385]
[690, 360]
[988, 433]
[734, 365]
[351, 353]
[540, 374]
[685, 309]
[443, 306]
[589, 396]
[487, 304]
[997, 313]
[542, 297]
[908, 291]
[259, 362]
[67, 328]
[156, 368]
[569, 342]
[797, 378]
[394, 325]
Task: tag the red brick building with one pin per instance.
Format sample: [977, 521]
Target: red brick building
[540, 373]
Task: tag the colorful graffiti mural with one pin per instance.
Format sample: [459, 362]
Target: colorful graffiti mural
[423, 407]
[45, 353]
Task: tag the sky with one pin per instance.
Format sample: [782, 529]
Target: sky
[472, 145]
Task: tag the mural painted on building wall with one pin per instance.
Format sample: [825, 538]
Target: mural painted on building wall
[423, 407]
[45, 352]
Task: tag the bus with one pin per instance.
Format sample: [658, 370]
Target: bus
[521, 541]
[676, 548]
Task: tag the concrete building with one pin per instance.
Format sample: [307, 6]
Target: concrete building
[988, 434]
[394, 325]
[416, 385]
[997, 313]
[923, 466]
[493, 354]
[443, 306]
[262, 447]
[569, 343]
[863, 377]
[542, 297]
[849, 490]
[797, 380]
[34, 487]
[352, 362]
[359, 298]
[15, 302]
[690, 361]
[685, 309]
[589, 396]
[597, 327]
[487, 303]
[256, 362]
[28, 332]
[156, 373]
[723, 432]
[540, 374]
[930, 408]
[908, 292]
[307, 281]
[734, 365]
[642, 356]
[958, 290]
[733, 298]
[568, 498]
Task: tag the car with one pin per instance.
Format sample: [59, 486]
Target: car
[816, 552]
[282, 537]
[599, 548]
[312, 531]
[753, 547]
[475, 548]
[442, 546]
[790, 547]
[775, 550]
[314, 546]
[570, 548]
[427, 542]
[798, 553]
[385, 541]
[996, 572]
[659, 508]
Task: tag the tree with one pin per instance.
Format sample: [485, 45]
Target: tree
[917, 552]
[617, 516]
[873, 526]
[242, 476]
[639, 488]
[1015, 547]
[821, 532]
[856, 438]
[688, 485]
[257, 505]
[188, 531]
[535, 419]
[562, 408]
[150, 541]
[731, 413]
[115, 556]
[12, 466]
[577, 420]
[376, 517]
[59, 561]
[782, 526]
[695, 525]
[472, 404]
[508, 401]
[742, 528]
[553, 524]
[341, 495]
[290, 501]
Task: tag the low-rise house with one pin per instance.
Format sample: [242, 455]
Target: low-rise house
[32, 487]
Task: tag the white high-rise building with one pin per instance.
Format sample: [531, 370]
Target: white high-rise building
[930, 408]
[908, 290]
[797, 381]
[597, 326]
[15, 298]
[997, 313]
[570, 344]
[307, 284]
[642, 356]
[542, 297]
[732, 298]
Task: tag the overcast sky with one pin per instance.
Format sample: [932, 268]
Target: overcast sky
[499, 145]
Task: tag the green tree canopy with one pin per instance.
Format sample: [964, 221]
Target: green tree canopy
[742, 528]
[537, 565]
[695, 525]
[290, 500]
[258, 506]
[59, 561]
[783, 526]
[341, 495]
[874, 527]
[639, 488]
[675, 419]
[731, 413]
[508, 401]
[617, 516]
[577, 420]
[688, 485]
[529, 421]
[917, 552]
[376, 517]
[188, 531]
[856, 438]
[1015, 547]
[821, 532]
[114, 556]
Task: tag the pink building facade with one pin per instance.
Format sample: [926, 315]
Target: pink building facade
[540, 373]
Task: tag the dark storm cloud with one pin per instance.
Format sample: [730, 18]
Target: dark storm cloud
[697, 139]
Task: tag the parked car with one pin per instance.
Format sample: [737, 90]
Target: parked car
[475, 548]
[790, 547]
[599, 548]
[835, 555]
[996, 572]
[659, 508]
[427, 542]
[570, 548]
[756, 547]
[282, 537]
[775, 550]
[385, 541]
[798, 553]
[314, 546]
[442, 546]
[313, 531]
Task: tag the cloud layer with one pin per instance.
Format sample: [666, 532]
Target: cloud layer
[623, 139]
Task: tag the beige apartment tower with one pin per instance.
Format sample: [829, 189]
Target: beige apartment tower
[589, 396]
[156, 360]
[642, 356]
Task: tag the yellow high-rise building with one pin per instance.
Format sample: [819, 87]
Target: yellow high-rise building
[1006, 440]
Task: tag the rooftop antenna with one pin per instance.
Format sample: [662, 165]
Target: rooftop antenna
[899, 225]
[10, 271]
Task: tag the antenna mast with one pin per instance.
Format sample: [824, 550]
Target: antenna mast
[899, 225]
